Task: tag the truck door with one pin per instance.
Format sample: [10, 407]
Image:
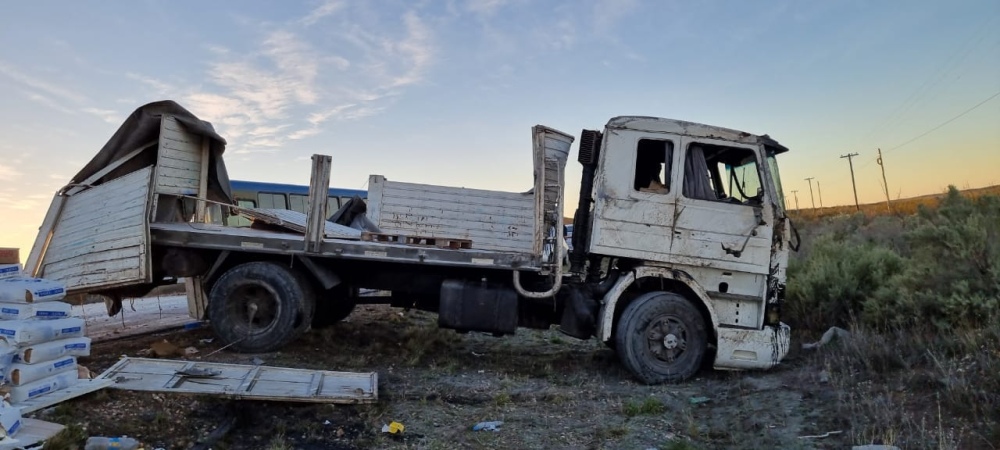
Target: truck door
[724, 219]
[635, 195]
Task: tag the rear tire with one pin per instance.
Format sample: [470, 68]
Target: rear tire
[258, 307]
[661, 337]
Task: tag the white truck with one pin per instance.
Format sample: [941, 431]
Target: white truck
[679, 248]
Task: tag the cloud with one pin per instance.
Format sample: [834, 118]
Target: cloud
[8, 173]
[160, 87]
[327, 8]
[484, 7]
[106, 115]
[280, 90]
[43, 100]
[36, 84]
[608, 13]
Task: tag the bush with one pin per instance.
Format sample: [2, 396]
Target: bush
[938, 269]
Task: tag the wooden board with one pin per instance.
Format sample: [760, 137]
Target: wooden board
[180, 160]
[239, 381]
[492, 220]
[100, 237]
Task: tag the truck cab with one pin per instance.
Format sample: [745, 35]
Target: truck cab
[690, 221]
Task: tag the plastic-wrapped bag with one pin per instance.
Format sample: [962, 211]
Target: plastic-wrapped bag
[41, 387]
[47, 351]
[19, 374]
[10, 271]
[29, 331]
[30, 290]
[44, 310]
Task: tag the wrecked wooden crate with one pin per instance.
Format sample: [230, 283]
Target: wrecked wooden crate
[240, 381]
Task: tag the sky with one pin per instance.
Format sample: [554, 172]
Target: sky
[446, 92]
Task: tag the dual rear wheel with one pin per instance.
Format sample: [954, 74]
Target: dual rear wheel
[261, 306]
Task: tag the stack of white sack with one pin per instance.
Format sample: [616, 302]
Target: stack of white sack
[39, 338]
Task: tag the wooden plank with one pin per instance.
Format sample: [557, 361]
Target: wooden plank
[203, 180]
[197, 299]
[248, 381]
[179, 151]
[108, 169]
[94, 241]
[44, 238]
[178, 169]
[257, 382]
[460, 191]
[319, 186]
[414, 198]
[315, 385]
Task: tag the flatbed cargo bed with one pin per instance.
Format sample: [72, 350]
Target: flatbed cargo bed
[217, 237]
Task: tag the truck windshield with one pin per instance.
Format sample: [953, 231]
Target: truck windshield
[772, 167]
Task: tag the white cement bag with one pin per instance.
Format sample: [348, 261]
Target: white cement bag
[44, 310]
[41, 387]
[7, 355]
[47, 351]
[22, 332]
[10, 421]
[10, 270]
[30, 290]
[20, 374]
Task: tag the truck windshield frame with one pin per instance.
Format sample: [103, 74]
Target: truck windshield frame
[772, 169]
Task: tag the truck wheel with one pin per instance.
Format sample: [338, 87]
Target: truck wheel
[333, 306]
[661, 337]
[255, 307]
[307, 307]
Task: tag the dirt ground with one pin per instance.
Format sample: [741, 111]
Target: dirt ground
[551, 391]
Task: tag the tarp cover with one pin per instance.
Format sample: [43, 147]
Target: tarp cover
[143, 127]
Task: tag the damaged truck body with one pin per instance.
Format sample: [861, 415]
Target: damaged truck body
[679, 249]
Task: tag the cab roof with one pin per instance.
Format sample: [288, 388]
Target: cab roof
[663, 125]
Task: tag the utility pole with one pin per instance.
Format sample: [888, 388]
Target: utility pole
[850, 161]
[819, 192]
[811, 198]
[796, 194]
[888, 205]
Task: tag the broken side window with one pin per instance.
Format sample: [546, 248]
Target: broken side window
[721, 173]
[652, 165]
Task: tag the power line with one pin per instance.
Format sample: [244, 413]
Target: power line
[995, 95]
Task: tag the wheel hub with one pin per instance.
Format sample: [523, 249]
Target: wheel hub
[666, 338]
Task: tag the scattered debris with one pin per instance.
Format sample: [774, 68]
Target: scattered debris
[190, 351]
[196, 372]
[84, 373]
[206, 341]
[698, 400]
[327, 422]
[393, 428]
[164, 349]
[833, 332]
[824, 377]
[821, 436]
[257, 361]
[487, 426]
[103, 443]
[208, 442]
[874, 447]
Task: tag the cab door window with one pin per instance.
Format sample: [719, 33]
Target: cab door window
[652, 165]
[722, 173]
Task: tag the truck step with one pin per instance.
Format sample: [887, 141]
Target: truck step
[439, 242]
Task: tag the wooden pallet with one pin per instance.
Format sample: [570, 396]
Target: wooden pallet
[438, 242]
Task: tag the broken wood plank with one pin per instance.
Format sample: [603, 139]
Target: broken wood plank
[244, 381]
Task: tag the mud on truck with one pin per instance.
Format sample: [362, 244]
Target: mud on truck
[679, 248]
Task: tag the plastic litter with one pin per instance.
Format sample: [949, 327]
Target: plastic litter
[697, 400]
[107, 443]
[393, 428]
[487, 426]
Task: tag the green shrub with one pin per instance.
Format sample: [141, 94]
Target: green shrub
[939, 269]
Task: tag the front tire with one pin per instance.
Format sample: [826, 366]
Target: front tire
[661, 337]
[258, 307]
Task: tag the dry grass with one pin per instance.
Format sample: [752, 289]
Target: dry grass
[919, 390]
[899, 206]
